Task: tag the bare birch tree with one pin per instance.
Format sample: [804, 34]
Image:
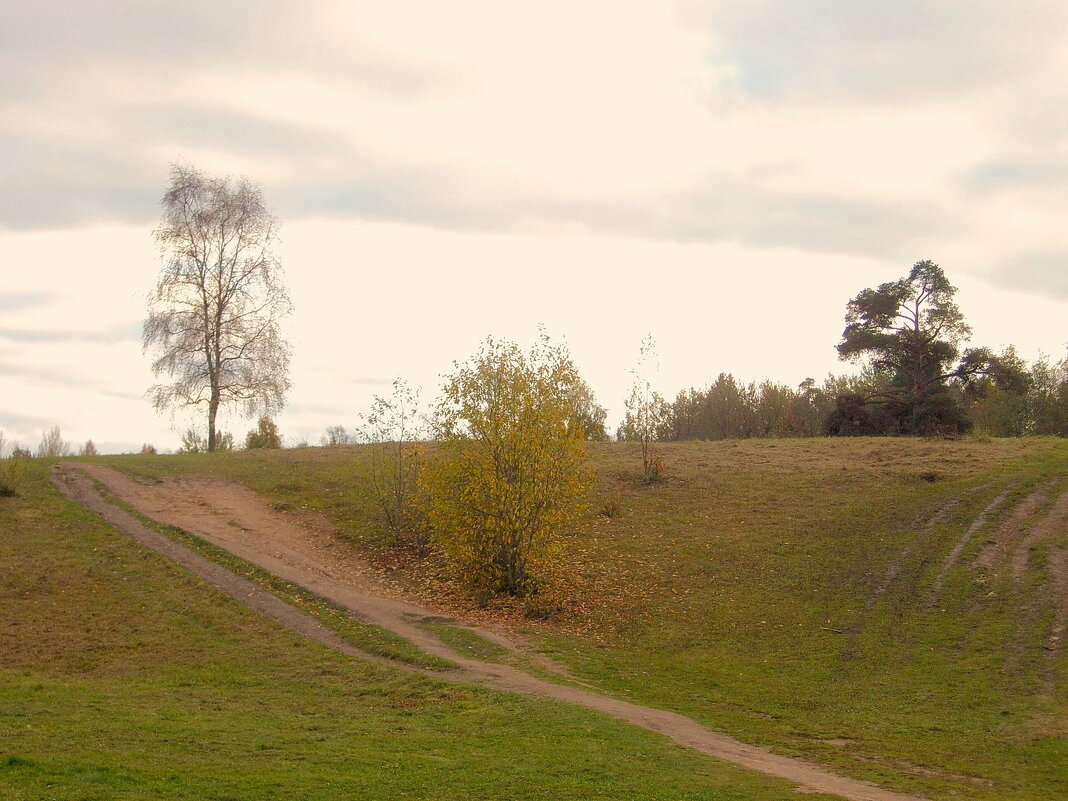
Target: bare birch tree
[646, 409]
[214, 317]
[52, 444]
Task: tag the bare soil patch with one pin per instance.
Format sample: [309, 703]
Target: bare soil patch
[1046, 528]
[1058, 566]
[1054, 523]
[1010, 529]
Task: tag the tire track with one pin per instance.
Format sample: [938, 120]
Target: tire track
[962, 543]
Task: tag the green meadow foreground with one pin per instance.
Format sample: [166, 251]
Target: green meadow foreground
[894, 609]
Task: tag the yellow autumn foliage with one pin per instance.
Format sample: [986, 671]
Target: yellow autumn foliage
[511, 471]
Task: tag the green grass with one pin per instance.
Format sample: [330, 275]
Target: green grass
[778, 591]
[123, 677]
[466, 642]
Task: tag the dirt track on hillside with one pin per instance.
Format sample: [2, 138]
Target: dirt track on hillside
[308, 554]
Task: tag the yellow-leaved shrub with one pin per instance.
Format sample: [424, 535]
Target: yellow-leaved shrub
[511, 471]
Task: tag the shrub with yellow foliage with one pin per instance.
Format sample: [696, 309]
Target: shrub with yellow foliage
[511, 471]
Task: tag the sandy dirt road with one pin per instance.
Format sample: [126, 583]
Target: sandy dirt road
[308, 554]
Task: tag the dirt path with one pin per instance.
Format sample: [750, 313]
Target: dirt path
[244, 524]
[77, 487]
[920, 533]
[1009, 530]
[962, 543]
[1047, 529]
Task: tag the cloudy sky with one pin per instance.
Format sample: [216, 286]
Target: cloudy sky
[724, 174]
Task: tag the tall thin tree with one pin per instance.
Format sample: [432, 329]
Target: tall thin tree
[646, 409]
[214, 317]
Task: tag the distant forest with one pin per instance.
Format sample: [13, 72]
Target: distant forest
[917, 379]
[732, 409]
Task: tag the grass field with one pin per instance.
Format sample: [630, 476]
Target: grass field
[121, 677]
[817, 596]
[783, 592]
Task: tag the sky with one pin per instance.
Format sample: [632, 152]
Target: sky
[724, 175]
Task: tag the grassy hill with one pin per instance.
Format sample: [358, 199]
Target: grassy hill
[886, 607]
[122, 677]
[838, 600]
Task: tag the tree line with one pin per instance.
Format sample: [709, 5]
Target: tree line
[729, 408]
[917, 378]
